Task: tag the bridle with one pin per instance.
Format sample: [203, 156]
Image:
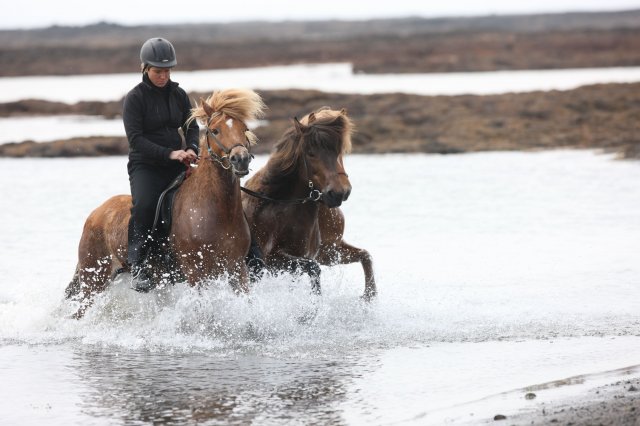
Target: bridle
[315, 195]
[224, 160]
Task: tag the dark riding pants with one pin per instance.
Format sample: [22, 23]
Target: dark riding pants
[147, 183]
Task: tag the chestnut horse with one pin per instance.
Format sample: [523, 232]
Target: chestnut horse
[292, 202]
[209, 234]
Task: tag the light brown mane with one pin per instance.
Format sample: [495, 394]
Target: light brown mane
[328, 130]
[328, 116]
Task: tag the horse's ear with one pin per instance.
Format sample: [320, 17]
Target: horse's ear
[312, 117]
[206, 107]
[298, 124]
[343, 111]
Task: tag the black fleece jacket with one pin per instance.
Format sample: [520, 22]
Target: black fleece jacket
[152, 117]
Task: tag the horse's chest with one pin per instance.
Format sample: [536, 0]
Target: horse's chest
[303, 239]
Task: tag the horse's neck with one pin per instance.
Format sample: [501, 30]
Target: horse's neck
[211, 178]
[284, 186]
[290, 187]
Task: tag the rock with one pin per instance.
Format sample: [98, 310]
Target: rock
[530, 395]
[499, 417]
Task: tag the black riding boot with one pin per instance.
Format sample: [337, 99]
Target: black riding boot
[136, 256]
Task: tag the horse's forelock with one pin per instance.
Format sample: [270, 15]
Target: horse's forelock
[240, 104]
[329, 130]
[326, 124]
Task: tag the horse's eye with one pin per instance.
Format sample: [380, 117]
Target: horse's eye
[215, 132]
[311, 153]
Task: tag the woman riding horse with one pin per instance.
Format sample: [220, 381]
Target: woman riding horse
[209, 235]
[153, 113]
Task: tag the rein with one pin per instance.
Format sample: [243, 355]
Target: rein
[315, 195]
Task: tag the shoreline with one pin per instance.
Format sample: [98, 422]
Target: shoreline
[614, 403]
[604, 398]
[601, 116]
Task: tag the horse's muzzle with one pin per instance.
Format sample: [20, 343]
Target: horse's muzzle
[332, 198]
[240, 160]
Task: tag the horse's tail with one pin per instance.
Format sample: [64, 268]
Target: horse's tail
[73, 289]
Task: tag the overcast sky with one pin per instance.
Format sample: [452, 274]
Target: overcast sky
[43, 13]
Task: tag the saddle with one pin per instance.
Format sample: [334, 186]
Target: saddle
[162, 220]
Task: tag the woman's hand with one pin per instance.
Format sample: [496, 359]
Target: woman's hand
[186, 157]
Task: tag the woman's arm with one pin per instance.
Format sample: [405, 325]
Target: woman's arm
[132, 116]
[192, 134]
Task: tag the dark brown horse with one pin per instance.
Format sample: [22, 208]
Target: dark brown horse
[209, 235]
[292, 202]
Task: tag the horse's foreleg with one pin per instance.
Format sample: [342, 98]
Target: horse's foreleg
[342, 253]
[302, 265]
[240, 281]
[254, 261]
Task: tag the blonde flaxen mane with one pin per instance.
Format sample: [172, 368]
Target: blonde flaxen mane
[239, 104]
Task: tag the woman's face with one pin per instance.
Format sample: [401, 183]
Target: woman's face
[159, 76]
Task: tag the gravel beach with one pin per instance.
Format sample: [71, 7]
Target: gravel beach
[616, 403]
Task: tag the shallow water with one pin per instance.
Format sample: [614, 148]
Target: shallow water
[496, 271]
[337, 78]
[45, 128]
[334, 78]
[51, 128]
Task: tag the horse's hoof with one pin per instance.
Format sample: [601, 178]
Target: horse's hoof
[78, 315]
[142, 283]
[143, 288]
[368, 296]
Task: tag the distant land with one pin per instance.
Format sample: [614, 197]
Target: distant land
[601, 116]
[571, 40]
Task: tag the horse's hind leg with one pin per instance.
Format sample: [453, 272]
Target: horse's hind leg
[91, 277]
[74, 286]
[341, 253]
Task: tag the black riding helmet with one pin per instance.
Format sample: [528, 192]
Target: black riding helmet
[158, 52]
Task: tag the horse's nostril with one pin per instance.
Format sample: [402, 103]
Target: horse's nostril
[240, 158]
